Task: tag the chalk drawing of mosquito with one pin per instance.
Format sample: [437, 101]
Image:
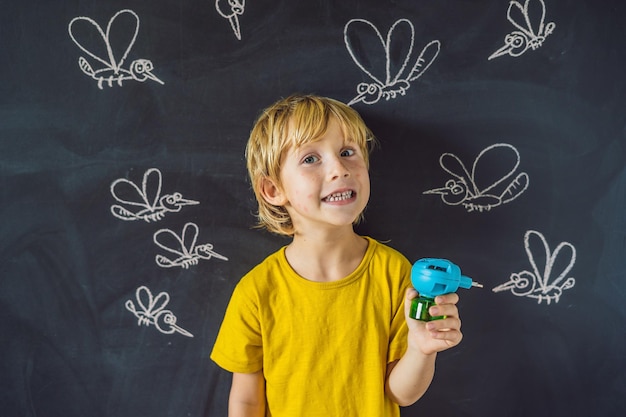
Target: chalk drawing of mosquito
[145, 203]
[231, 10]
[537, 283]
[184, 247]
[152, 311]
[392, 77]
[528, 35]
[482, 189]
[125, 27]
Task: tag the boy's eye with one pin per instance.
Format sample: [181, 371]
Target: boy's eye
[310, 159]
[347, 152]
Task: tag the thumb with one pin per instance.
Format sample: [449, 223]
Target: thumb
[411, 293]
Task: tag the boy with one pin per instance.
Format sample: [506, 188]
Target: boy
[321, 327]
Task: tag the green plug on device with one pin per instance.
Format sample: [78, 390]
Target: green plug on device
[432, 277]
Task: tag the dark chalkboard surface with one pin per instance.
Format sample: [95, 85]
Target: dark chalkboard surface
[127, 215]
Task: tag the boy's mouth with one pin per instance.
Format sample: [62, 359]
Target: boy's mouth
[345, 195]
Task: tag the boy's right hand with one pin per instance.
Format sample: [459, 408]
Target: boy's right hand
[436, 335]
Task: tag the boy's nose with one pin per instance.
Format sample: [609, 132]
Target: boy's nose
[338, 169]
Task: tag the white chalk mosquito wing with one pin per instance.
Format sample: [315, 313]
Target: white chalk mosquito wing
[390, 62]
[487, 184]
[548, 277]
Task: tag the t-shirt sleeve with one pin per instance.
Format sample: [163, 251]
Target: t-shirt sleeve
[238, 347]
[398, 336]
[398, 330]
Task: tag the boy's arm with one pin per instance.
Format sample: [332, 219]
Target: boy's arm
[247, 395]
[409, 378]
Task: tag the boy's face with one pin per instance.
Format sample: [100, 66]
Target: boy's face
[325, 183]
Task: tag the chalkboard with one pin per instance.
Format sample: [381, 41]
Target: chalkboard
[127, 216]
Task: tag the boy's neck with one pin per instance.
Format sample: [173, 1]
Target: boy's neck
[326, 257]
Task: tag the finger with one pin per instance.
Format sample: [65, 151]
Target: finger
[444, 325]
[411, 293]
[451, 337]
[451, 298]
[448, 310]
[440, 331]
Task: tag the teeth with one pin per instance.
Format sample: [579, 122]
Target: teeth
[339, 196]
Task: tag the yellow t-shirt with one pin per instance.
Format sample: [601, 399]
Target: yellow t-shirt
[323, 347]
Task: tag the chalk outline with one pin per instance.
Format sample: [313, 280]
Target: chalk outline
[185, 248]
[465, 190]
[153, 309]
[235, 9]
[518, 41]
[536, 284]
[388, 86]
[152, 206]
[139, 69]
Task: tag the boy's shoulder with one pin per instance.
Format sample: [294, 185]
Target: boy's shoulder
[273, 260]
[387, 251]
[268, 268]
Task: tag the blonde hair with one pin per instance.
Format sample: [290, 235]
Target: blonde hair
[294, 121]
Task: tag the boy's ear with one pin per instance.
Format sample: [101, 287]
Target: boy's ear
[272, 193]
